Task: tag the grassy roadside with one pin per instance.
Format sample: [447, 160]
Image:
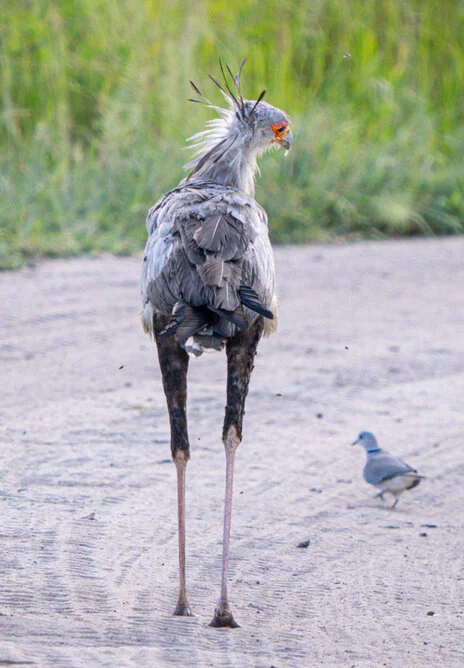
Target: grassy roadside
[94, 116]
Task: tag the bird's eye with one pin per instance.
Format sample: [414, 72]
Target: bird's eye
[279, 129]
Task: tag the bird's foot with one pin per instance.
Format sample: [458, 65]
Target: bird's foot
[183, 609]
[223, 618]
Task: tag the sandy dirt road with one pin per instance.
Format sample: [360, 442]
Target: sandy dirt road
[371, 336]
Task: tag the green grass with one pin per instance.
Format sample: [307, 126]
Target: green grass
[94, 114]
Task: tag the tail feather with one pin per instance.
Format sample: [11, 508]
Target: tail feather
[415, 481]
[185, 321]
[237, 317]
[195, 319]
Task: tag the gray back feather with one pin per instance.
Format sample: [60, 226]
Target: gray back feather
[204, 243]
[222, 234]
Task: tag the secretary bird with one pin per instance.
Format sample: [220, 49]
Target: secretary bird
[208, 281]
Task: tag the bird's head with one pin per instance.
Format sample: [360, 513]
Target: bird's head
[367, 440]
[228, 147]
[265, 126]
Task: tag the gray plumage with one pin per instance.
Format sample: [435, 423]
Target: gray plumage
[386, 472]
[208, 283]
[208, 259]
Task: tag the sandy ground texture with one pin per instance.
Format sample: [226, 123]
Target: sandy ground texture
[371, 337]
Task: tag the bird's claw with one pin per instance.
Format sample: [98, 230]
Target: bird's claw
[183, 610]
[222, 619]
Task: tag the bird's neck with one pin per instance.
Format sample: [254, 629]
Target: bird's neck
[229, 163]
[373, 450]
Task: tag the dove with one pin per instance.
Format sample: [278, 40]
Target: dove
[386, 472]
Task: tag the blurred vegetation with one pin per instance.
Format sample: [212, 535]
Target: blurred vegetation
[94, 113]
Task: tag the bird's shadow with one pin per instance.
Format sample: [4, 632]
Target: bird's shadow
[375, 503]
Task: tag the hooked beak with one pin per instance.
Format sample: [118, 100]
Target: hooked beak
[286, 141]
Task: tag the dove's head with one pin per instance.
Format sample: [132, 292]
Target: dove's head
[368, 441]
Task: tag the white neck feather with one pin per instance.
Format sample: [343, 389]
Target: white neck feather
[224, 154]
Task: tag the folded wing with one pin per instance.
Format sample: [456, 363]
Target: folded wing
[383, 466]
[207, 264]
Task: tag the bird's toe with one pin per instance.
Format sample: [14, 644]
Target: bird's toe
[183, 610]
[223, 618]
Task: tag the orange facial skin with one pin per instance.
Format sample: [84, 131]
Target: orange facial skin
[282, 134]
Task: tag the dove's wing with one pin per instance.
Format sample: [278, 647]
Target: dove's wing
[382, 466]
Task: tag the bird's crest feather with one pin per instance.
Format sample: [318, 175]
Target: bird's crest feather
[217, 129]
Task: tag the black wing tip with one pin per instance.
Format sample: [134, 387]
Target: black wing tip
[259, 308]
[250, 298]
[168, 331]
[174, 323]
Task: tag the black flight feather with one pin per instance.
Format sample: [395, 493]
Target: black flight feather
[250, 298]
[236, 317]
[185, 322]
[195, 319]
[173, 324]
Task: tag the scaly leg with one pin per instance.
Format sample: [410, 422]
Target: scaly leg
[174, 364]
[241, 350]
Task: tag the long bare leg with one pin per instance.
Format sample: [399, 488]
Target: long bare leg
[174, 364]
[241, 351]
[183, 605]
